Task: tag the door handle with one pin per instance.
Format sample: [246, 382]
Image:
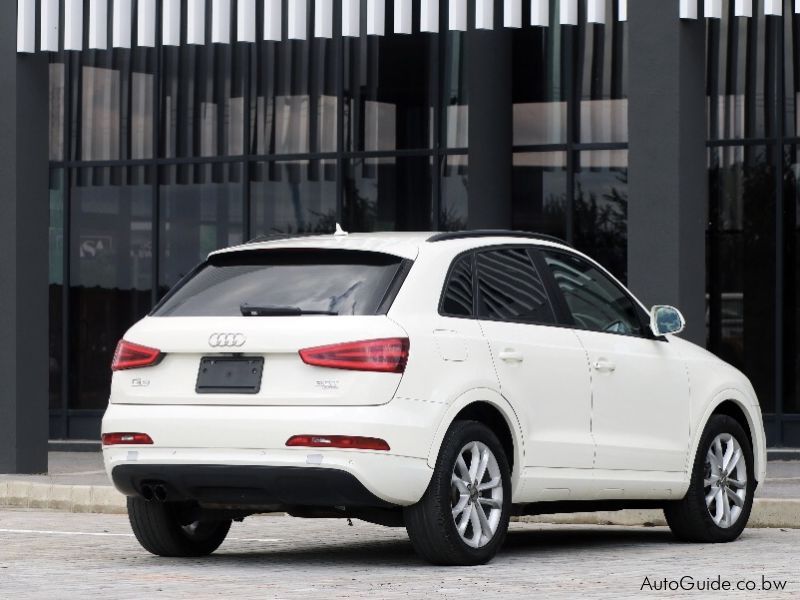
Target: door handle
[605, 366]
[511, 356]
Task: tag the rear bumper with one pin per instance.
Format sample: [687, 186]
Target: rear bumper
[288, 475]
[255, 436]
[247, 485]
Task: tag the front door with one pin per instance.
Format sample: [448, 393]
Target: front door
[640, 388]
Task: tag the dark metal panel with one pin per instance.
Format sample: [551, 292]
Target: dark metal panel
[489, 71]
[24, 251]
[667, 212]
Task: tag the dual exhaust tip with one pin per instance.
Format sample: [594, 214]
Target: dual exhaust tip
[154, 492]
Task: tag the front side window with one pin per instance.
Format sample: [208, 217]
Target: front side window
[595, 302]
[511, 289]
[458, 295]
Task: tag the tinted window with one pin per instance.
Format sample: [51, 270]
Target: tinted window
[338, 281]
[510, 288]
[595, 302]
[457, 301]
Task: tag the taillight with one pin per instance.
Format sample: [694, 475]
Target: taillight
[338, 441]
[132, 356]
[114, 439]
[387, 355]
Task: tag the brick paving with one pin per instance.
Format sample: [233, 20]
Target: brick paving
[61, 555]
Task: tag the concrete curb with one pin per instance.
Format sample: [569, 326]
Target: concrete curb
[767, 512]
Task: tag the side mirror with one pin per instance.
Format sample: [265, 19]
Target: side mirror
[665, 320]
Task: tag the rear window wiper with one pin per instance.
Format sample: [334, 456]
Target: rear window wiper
[249, 310]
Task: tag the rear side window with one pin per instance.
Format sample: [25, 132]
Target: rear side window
[458, 295]
[286, 282]
[511, 289]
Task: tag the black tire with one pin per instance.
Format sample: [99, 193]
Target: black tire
[689, 518]
[159, 530]
[430, 523]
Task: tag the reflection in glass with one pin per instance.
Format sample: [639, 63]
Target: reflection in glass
[293, 196]
[56, 105]
[56, 287]
[539, 92]
[110, 272]
[738, 55]
[791, 65]
[202, 100]
[387, 91]
[453, 193]
[602, 79]
[201, 211]
[453, 77]
[115, 104]
[741, 258]
[791, 258]
[295, 105]
[383, 194]
[539, 192]
[600, 210]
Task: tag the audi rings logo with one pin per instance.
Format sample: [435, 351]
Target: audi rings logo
[226, 340]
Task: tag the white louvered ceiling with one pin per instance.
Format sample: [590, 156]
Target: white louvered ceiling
[45, 15]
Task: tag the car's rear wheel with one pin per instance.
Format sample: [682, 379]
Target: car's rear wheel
[463, 517]
[717, 506]
[161, 531]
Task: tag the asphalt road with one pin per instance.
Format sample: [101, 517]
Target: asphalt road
[61, 555]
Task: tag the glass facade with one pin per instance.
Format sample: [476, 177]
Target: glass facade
[753, 85]
[160, 155]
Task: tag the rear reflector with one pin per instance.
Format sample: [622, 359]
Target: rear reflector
[338, 441]
[132, 356]
[386, 355]
[114, 439]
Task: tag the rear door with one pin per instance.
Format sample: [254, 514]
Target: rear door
[640, 388]
[542, 368]
[259, 309]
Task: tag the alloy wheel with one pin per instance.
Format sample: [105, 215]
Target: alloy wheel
[725, 481]
[476, 494]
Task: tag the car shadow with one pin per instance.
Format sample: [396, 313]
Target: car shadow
[398, 551]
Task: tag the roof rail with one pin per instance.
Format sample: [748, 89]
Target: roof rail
[478, 233]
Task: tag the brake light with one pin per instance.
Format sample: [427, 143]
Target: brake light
[114, 439]
[386, 355]
[338, 441]
[132, 356]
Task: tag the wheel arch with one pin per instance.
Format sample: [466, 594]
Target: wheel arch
[490, 408]
[733, 403]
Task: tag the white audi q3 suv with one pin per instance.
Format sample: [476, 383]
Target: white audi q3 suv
[438, 381]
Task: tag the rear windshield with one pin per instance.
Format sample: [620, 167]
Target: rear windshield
[285, 282]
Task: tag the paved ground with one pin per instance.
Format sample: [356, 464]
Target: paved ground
[86, 468]
[60, 555]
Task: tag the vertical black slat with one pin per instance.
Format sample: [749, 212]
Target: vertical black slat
[438, 156]
[573, 105]
[247, 94]
[339, 51]
[155, 216]
[751, 76]
[66, 246]
[778, 87]
[714, 333]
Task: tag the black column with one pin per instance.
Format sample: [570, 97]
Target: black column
[24, 214]
[668, 181]
[490, 125]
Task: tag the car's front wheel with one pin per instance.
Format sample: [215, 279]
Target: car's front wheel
[161, 531]
[717, 506]
[463, 517]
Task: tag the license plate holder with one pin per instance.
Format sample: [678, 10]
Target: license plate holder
[230, 375]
